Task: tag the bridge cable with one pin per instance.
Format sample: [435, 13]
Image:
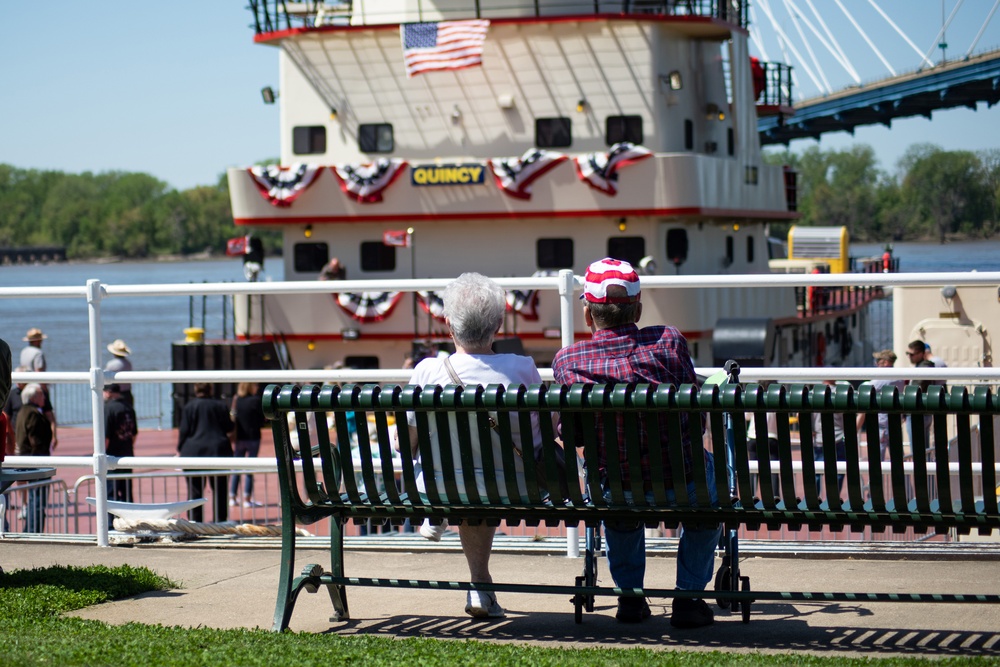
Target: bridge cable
[798, 19]
[982, 29]
[840, 56]
[944, 27]
[865, 36]
[784, 41]
[900, 32]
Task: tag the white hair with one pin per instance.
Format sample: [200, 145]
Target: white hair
[474, 305]
[29, 392]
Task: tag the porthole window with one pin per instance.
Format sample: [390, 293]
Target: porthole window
[554, 254]
[309, 140]
[375, 138]
[310, 257]
[629, 248]
[553, 132]
[377, 257]
[623, 128]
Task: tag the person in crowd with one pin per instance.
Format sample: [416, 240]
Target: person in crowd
[756, 451]
[33, 360]
[5, 386]
[883, 359]
[333, 270]
[34, 438]
[248, 414]
[10, 409]
[917, 353]
[474, 307]
[120, 432]
[204, 431]
[120, 362]
[621, 352]
[840, 443]
[934, 359]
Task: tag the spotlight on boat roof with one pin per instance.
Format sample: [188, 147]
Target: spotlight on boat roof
[268, 94]
[350, 334]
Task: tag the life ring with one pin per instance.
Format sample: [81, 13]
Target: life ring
[820, 349]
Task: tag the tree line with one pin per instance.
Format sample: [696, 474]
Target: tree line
[933, 194]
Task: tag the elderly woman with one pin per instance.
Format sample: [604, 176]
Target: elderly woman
[474, 307]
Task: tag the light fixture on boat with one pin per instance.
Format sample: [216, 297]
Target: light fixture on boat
[350, 334]
[269, 94]
[712, 112]
[622, 224]
[949, 292]
[308, 231]
[581, 105]
[311, 346]
[676, 82]
[505, 101]
[333, 113]
[456, 115]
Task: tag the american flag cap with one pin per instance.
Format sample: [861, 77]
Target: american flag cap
[605, 273]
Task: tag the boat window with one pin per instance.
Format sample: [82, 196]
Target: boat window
[623, 128]
[553, 132]
[688, 135]
[729, 251]
[361, 363]
[730, 142]
[629, 248]
[749, 250]
[309, 140]
[554, 253]
[677, 245]
[377, 256]
[375, 138]
[310, 257]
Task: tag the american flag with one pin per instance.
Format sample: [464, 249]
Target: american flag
[399, 238]
[446, 45]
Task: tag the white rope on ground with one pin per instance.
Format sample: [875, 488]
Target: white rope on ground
[200, 529]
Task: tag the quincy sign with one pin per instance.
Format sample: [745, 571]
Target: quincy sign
[448, 174]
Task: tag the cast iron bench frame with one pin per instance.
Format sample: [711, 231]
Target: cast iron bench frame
[326, 487]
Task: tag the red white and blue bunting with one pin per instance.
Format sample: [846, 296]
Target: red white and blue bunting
[600, 170]
[365, 182]
[282, 185]
[523, 303]
[515, 175]
[432, 304]
[368, 306]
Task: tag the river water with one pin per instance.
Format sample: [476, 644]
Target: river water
[150, 324]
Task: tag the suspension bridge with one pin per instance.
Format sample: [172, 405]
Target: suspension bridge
[855, 63]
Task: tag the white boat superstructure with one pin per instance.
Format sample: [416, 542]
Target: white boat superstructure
[624, 129]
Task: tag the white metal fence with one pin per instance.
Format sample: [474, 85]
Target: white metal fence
[566, 283]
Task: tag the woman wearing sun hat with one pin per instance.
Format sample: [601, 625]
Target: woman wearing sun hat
[119, 362]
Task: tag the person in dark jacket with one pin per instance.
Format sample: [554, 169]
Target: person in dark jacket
[34, 438]
[249, 417]
[204, 431]
[120, 431]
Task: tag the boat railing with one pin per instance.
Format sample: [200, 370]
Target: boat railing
[272, 16]
[566, 284]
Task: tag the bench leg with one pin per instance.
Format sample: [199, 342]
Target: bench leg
[286, 597]
[338, 592]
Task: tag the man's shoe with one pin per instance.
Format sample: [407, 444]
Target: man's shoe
[690, 613]
[431, 532]
[481, 604]
[632, 610]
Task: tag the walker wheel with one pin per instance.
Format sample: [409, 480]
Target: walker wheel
[722, 583]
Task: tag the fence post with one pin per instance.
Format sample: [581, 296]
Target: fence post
[566, 309]
[94, 295]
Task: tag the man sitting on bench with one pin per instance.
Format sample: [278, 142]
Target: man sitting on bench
[620, 352]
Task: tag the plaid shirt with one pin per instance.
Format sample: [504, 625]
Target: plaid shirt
[658, 355]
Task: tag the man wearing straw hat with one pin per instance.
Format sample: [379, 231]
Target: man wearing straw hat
[32, 359]
[119, 362]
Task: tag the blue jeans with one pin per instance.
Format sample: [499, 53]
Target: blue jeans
[248, 449]
[626, 546]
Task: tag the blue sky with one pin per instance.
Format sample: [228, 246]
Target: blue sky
[173, 89]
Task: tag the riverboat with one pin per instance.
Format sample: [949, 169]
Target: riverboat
[426, 138]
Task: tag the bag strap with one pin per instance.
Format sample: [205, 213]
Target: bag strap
[451, 371]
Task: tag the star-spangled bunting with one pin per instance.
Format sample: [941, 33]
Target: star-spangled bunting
[365, 182]
[282, 185]
[428, 47]
[515, 175]
[600, 170]
[368, 306]
[523, 303]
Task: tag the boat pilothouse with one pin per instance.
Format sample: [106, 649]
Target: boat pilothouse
[422, 139]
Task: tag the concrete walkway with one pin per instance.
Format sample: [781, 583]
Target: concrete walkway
[227, 585]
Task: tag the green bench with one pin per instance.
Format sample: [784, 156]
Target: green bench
[341, 486]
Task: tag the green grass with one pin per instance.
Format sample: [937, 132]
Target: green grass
[33, 631]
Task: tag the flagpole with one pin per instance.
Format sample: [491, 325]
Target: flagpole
[413, 276]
